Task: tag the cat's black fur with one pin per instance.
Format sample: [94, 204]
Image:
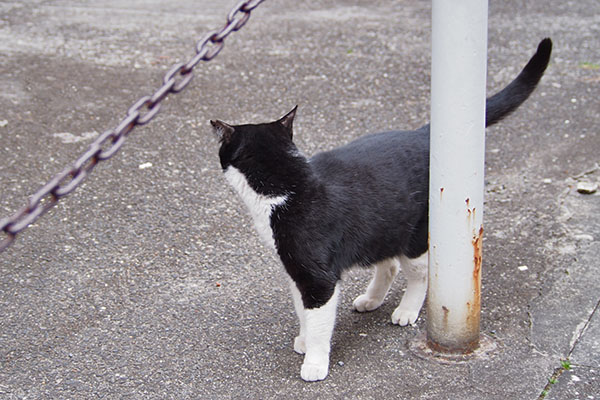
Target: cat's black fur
[357, 204]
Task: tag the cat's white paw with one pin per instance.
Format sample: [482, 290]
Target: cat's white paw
[300, 344]
[314, 372]
[404, 317]
[365, 303]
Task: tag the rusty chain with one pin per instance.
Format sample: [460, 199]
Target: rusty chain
[109, 142]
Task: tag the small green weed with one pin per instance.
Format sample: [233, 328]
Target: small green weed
[589, 65]
[565, 365]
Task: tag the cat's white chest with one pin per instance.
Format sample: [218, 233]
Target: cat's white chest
[260, 206]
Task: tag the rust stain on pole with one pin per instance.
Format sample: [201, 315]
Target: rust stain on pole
[474, 309]
[470, 211]
[477, 255]
[446, 311]
[464, 349]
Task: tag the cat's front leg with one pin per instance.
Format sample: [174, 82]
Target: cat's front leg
[300, 340]
[319, 329]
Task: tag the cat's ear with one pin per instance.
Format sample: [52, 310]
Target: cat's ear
[222, 130]
[288, 120]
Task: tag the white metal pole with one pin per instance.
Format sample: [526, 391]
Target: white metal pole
[458, 78]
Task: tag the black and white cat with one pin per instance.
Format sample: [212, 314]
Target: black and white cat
[362, 204]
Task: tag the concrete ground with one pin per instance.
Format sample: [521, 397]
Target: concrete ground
[149, 282]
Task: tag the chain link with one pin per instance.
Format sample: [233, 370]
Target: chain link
[108, 143]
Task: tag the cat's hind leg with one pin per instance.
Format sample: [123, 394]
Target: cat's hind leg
[385, 272]
[416, 270]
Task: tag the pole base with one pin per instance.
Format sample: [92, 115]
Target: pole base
[419, 347]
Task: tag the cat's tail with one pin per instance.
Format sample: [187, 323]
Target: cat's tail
[508, 99]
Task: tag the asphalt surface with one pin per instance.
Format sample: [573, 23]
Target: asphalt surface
[149, 282]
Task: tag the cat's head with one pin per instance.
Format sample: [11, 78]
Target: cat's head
[263, 154]
[243, 146]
